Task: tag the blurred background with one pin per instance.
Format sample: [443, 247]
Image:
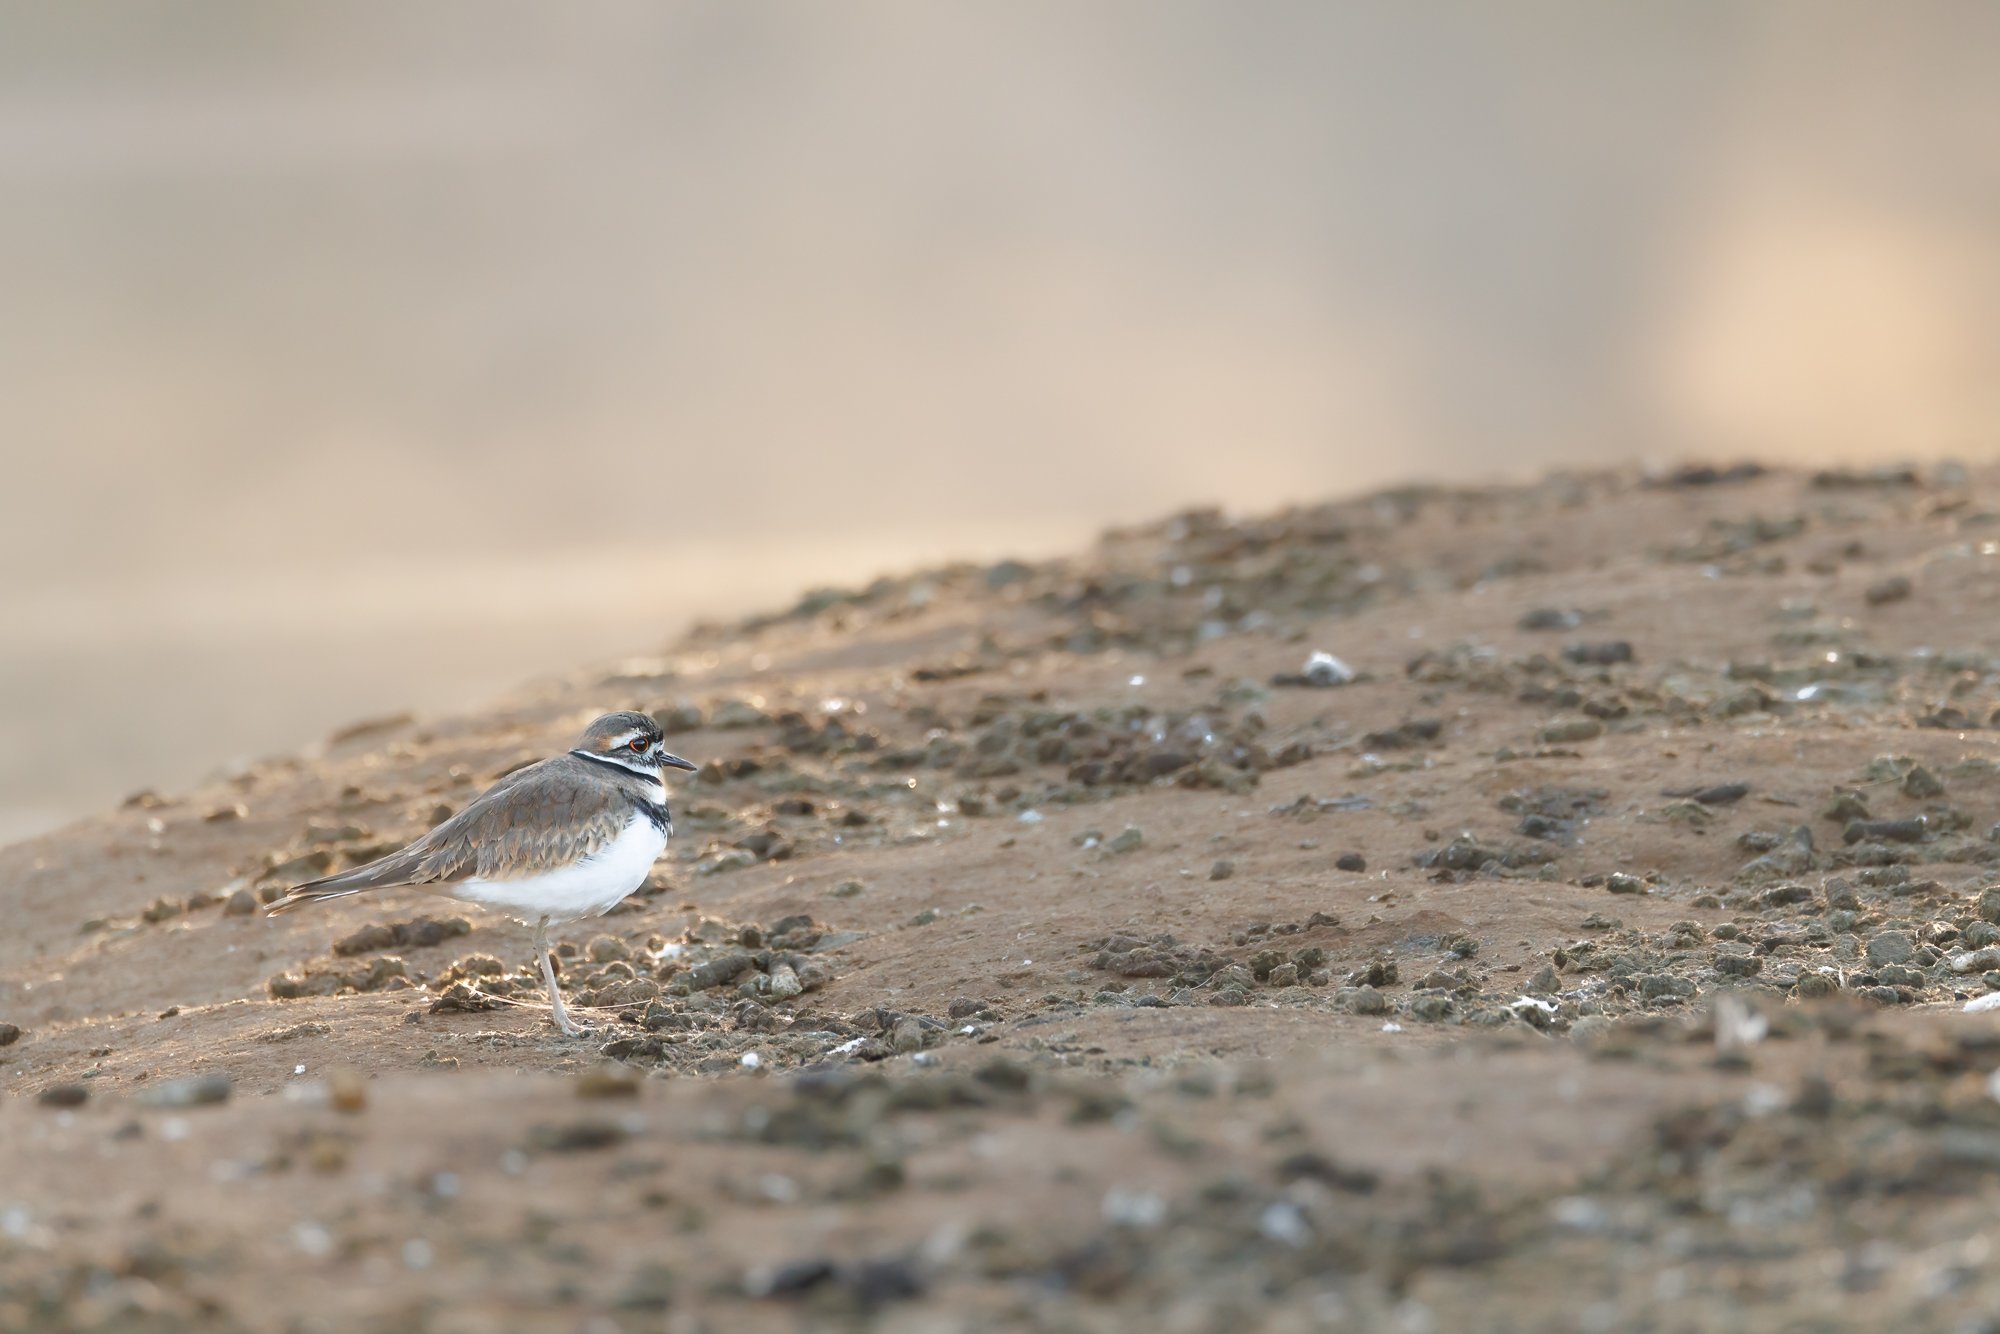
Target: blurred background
[362, 358]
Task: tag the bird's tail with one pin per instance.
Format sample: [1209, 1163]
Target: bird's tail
[383, 873]
[304, 894]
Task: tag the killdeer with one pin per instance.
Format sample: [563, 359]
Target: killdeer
[564, 838]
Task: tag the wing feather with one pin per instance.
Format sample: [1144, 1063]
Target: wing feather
[535, 819]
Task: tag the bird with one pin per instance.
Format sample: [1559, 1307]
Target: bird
[564, 838]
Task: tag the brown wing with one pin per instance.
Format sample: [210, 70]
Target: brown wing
[535, 819]
[541, 819]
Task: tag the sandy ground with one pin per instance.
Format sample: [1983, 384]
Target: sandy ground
[1041, 948]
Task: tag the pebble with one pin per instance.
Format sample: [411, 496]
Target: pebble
[347, 1090]
[607, 1081]
[63, 1095]
[1350, 861]
[188, 1091]
[1791, 855]
[1431, 1008]
[1323, 669]
[1606, 654]
[1222, 870]
[1889, 590]
[1362, 1000]
[1719, 794]
[9, 1034]
[1127, 839]
[1886, 947]
[1561, 731]
[1893, 831]
[1922, 784]
[1618, 882]
[737, 713]
[576, 1136]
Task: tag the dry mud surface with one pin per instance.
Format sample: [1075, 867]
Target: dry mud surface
[1043, 947]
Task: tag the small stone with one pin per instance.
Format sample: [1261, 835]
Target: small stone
[603, 949]
[1845, 806]
[1890, 831]
[1618, 882]
[1283, 975]
[1656, 985]
[1222, 870]
[189, 1091]
[1737, 961]
[576, 1136]
[1688, 812]
[1887, 947]
[607, 1081]
[1790, 855]
[1591, 1030]
[737, 713]
[1989, 905]
[1975, 961]
[1127, 839]
[1350, 861]
[63, 1095]
[1562, 731]
[1922, 784]
[1362, 1000]
[1325, 670]
[347, 1091]
[9, 1035]
[1815, 986]
[222, 814]
[630, 991]
[1607, 653]
[1431, 1008]
[242, 903]
[1889, 590]
[1783, 896]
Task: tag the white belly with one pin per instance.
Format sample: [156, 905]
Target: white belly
[585, 889]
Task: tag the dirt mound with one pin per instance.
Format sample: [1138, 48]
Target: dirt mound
[1538, 907]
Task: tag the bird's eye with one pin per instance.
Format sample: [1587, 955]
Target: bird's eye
[638, 744]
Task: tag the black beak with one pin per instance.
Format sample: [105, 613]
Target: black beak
[676, 762]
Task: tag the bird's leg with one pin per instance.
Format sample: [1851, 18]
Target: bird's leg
[549, 976]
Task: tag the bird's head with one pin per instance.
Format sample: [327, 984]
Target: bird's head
[631, 739]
